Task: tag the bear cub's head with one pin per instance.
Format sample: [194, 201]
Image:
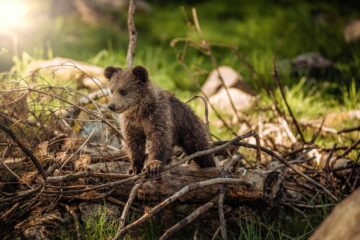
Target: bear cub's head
[126, 87]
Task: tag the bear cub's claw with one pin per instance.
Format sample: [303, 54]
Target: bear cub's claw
[153, 167]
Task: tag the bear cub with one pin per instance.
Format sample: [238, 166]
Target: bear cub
[153, 119]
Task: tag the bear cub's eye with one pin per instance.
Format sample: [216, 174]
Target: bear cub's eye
[122, 92]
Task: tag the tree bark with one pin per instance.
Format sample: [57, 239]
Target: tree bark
[255, 185]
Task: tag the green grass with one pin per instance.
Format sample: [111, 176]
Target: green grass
[100, 225]
[280, 223]
[270, 224]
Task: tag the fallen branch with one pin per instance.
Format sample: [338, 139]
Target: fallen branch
[289, 165]
[221, 213]
[126, 209]
[347, 130]
[25, 150]
[178, 195]
[85, 174]
[186, 221]
[132, 34]
[76, 221]
[348, 150]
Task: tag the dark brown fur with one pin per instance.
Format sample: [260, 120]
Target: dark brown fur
[153, 119]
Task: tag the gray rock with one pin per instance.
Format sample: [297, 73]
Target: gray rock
[311, 60]
[230, 77]
[240, 99]
[352, 31]
[315, 66]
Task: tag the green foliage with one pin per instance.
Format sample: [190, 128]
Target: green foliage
[351, 96]
[304, 101]
[99, 226]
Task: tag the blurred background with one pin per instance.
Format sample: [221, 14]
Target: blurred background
[316, 45]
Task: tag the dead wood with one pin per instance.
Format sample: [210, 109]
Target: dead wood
[348, 130]
[132, 34]
[277, 79]
[252, 187]
[289, 165]
[221, 213]
[26, 151]
[76, 221]
[190, 218]
[131, 198]
[86, 174]
[237, 187]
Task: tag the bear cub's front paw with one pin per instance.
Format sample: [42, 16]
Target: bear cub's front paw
[153, 167]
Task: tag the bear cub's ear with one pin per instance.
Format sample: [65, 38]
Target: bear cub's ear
[109, 71]
[141, 73]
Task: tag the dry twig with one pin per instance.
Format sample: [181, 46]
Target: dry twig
[27, 151]
[76, 221]
[126, 209]
[221, 213]
[277, 79]
[132, 34]
[176, 196]
[191, 217]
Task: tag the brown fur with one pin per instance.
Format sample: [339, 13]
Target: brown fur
[153, 119]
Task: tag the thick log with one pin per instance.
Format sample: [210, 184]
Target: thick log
[255, 185]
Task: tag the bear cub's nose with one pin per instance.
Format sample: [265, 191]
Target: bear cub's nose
[111, 107]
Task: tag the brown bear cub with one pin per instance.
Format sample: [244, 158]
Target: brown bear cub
[153, 119]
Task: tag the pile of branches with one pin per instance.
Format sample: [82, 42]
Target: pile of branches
[54, 159]
[61, 148]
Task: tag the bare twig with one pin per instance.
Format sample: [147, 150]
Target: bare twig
[25, 150]
[206, 110]
[347, 151]
[84, 174]
[210, 151]
[196, 233]
[327, 162]
[208, 49]
[176, 196]
[132, 34]
[126, 209]
[2, 162]
[79, 149]
[277, 79]
[76, 221]
[216, 233]
[347, 130]
[289, 165]
[221, 213]
[195, 214]
[316, 135]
